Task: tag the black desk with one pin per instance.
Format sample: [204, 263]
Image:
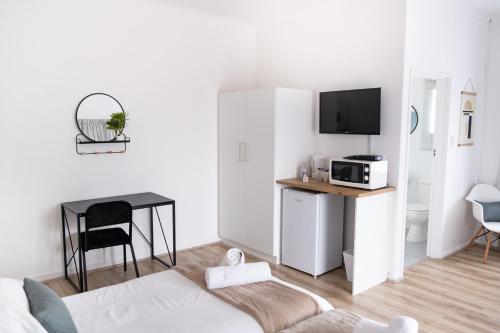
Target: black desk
[138, 201]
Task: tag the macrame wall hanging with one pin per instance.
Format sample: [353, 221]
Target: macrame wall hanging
[467, 115]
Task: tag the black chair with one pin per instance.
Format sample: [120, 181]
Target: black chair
[95, 236]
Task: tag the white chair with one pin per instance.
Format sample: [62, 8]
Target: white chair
[490, 230]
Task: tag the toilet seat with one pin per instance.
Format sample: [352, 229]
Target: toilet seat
[417, 217]
[417, 207]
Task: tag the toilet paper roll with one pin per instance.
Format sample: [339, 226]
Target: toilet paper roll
[233, 257]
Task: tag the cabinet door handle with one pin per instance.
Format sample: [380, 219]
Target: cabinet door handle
[246, 151]
[240, 151]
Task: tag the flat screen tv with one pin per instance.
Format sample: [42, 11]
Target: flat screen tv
[350, 111]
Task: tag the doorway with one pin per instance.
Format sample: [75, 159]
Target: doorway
[427, 109]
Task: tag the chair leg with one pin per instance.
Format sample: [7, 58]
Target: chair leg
[135, 261]
[124, 257]
[487, 248]
[473, 239]
[85, 282]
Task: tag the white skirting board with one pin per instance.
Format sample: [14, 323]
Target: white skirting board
[263, 256]
[454, 250]
[118, 261]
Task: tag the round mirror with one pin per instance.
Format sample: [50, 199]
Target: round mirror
[413, 120]
[100, 117]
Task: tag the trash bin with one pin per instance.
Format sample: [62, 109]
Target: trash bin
[348, 257]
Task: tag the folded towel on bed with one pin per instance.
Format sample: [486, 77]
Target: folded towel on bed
[341, 321]
[274, 306]
[396, 325]
[229, 276]
[334, 321]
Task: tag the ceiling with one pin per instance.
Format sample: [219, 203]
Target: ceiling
[490, 5]
[252, 10]
[257, 10]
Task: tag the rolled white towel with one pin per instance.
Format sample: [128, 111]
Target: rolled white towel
[398, 324]
[228, 276]
[233, 257]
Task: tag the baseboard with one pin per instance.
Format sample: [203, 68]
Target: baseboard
[256, 253]
[482, 242]
[44, 277]
[395, 281]
[452, 251]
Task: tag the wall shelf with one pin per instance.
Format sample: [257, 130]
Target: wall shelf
[127, 140]
[81, 140]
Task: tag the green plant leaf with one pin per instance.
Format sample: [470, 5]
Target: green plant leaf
[117, 122]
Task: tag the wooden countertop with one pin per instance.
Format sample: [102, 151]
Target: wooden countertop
[319, 186]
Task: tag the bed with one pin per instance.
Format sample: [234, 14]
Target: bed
[162, 302]
[182, 300]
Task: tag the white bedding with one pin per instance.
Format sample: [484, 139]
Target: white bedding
[161, 302]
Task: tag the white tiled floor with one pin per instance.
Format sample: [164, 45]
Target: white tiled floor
[414, 252]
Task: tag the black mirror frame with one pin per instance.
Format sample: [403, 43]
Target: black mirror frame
[78, 107]
[416, 124]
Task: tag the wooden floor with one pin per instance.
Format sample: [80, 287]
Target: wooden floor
[459, 294]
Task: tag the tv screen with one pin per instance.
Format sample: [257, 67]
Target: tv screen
[350, 111]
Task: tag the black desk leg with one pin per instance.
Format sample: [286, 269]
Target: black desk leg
[151, 235]
[80, 280]
[173, 234]
[63, 213]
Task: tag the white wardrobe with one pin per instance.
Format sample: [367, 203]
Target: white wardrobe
[264, 135]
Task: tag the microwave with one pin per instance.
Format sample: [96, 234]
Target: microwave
[368, 175]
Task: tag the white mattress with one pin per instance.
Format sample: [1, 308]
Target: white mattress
[161, 302]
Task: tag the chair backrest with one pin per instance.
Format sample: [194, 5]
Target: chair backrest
[107, 214]
[483, 193]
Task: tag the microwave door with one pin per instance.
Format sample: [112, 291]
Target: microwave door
[347, 172]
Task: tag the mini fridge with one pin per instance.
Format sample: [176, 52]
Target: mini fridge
[312, 231]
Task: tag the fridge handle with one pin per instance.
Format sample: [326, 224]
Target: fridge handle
[246, 151]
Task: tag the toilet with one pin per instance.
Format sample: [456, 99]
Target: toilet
[417, 217]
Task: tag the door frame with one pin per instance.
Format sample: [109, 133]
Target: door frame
[440, 142]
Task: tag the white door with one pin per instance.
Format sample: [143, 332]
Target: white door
[259, 169]
[300, 230]
[231, 165]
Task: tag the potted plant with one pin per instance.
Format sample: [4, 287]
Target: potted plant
[117, 122]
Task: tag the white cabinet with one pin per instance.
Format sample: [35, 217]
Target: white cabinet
[366, 225]
[264, 135]
[231, 157]
[312, 231]
[371, 227]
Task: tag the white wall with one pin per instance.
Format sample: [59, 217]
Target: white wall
[489, 162]
[334, 45]
[490, 154]
[340, 45]
[449, 38]
[165, 64]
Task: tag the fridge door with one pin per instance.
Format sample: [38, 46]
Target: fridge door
[300, 230]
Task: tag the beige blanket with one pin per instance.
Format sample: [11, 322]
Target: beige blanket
[334, 321]
[274, 306]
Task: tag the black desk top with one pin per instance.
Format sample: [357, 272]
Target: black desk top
[138, 201]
